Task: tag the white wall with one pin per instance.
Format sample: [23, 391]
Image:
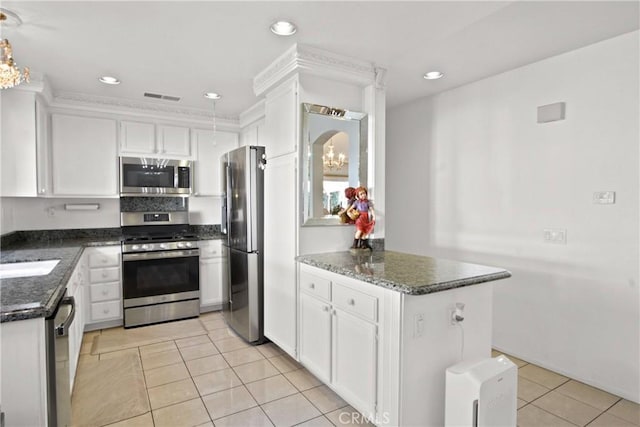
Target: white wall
[471, 175]
[35, 213]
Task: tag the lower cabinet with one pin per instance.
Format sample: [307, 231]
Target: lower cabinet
[211, 270]
[75, 289]
[103, 290]
[385, 352]
[339, 338]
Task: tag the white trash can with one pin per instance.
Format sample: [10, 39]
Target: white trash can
[482, 393]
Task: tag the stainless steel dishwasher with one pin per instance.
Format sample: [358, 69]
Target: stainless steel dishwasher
[57, 341]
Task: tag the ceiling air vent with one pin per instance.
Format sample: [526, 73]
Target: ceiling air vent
[159, 96]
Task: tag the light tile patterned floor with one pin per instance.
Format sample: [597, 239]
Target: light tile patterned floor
[217, 379]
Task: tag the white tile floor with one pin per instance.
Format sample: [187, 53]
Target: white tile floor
[217, 379]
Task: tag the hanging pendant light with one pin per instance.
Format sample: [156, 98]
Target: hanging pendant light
[10, 74]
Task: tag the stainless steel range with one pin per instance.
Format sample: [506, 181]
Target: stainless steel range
[160, 268]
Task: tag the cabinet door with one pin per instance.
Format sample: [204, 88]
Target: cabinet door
[280, 293]
[355, 360]
[315, 336]
[281, 119]
[210, 146]
[174, 141]
[18, 143]
[84, 157]
[210, 281]
[137, 138]
[252, 134]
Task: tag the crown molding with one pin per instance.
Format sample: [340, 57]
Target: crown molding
[321, 63]
[103, 104]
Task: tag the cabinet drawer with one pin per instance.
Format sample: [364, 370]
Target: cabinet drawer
[104, 257]
[355, 302]
[105, 292]
[315, 285]
[99, 275]
[210, 249]
[106, 310]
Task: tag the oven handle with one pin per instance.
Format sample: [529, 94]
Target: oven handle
[140, 256]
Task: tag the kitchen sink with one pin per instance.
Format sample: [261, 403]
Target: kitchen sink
[27, 269]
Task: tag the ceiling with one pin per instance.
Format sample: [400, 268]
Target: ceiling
[184, 48]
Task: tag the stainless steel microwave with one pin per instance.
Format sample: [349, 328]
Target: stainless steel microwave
[141, 176]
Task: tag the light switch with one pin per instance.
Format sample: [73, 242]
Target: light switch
[555, 235]
[604, 197]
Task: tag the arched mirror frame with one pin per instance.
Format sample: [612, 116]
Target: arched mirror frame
[319, 124]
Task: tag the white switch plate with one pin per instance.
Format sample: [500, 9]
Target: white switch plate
[604, 197]
[555, 235]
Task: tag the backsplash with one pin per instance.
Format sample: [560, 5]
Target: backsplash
[154, 204]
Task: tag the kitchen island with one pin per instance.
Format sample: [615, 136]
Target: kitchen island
[377, 328]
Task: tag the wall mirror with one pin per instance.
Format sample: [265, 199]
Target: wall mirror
[334, 157]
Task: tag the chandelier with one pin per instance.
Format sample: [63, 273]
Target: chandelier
[10, 74]
[329, 158]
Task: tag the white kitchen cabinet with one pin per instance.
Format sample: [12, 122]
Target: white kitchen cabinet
[23, 134]
[338, 337]
[252, 134]
[174, 141]
[83, 156]
[24, 372]
[157, 140]
[75, 288]
[281, 120]
[280, 237]
[137, 138]
[103, 290]
[355, 350]
[211, 270]
[315, 336]
[210, 147]
[389, 350]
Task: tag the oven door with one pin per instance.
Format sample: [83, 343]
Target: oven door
[163, 276]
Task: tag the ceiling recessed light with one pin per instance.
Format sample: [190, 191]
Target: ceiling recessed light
[283, 28]
[433, 75]
[109, 80]
[212, 95]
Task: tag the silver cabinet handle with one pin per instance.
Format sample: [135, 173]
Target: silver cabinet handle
[325, 308]
[312, 285]
[351, 301]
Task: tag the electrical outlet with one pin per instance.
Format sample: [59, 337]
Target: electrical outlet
[604, 197]
[555, 235]
[51, 211]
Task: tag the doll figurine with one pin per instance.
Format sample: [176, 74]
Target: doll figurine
[350, 195]
[365, 219]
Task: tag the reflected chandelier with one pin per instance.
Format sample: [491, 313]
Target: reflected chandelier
[10, 74]
[329, 158]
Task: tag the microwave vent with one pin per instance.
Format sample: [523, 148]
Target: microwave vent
[160, 96]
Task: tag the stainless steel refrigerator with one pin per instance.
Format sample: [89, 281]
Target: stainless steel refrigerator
[242, 172]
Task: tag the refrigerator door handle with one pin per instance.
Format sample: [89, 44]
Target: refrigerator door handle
[226, 202]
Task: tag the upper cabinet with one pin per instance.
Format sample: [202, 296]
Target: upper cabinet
[210, 147]
[149, 139]
[281, 118]
[83, 156]
[19, 142]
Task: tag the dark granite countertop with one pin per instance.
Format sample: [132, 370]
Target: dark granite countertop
[38, 296]
[406, 273]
